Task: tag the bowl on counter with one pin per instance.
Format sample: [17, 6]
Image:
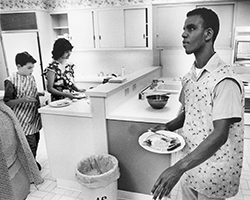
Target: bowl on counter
[157, 101]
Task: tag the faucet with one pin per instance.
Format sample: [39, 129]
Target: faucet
[101, 74]
[155, 83]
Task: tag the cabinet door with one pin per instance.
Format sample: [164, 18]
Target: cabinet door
[111, 28]
[225, 13]
[169, 25]
[136, 33]
[81, 29]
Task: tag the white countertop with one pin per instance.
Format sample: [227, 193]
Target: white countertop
[80, 108]
[141, 111]
[104, 90]
[1, 94]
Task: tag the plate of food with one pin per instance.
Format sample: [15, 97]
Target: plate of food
[60, 103]
[162, 142]
[79, 95]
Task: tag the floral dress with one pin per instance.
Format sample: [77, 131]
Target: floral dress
[63, 80]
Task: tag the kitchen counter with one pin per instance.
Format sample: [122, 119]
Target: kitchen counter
[80, 108]
[125, 124]
[1, 94]
[68, 136]
[141, 111]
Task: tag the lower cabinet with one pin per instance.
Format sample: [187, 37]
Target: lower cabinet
[139, 168]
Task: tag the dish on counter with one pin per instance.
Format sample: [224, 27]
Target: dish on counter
[161, 142]
[60, 103]
[79, 95]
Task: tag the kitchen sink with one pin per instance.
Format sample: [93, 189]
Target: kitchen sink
[169, 88]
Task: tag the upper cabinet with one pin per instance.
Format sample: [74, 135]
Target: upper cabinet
[81, 29]
[111, 28]
[120, 28]
[169, 21]
[168, 34]
[136, 28]
[225, 13]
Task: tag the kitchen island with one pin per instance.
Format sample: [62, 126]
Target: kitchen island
[110, 121]
[68, 138]
[139, 167]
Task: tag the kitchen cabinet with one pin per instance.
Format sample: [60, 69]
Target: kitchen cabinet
[225, 13]
[136, 27]
[60, 24]
[123, 28]
[81, 29]
[104, 28]
[68, 133]
[110, 28]
[168, 34]
[139, 168]
[169, 22]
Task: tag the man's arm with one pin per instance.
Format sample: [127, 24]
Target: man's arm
[173, 125]
[168, 179]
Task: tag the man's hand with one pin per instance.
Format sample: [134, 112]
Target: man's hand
[165, 183]
[159, 127]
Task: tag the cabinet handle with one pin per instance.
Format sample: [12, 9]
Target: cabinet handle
[144, 36]
[100, 37]
[157, 34]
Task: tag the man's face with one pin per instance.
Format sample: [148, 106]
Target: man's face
[193, 34]
[26, 69]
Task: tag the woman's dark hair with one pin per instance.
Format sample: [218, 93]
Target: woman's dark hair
[61, 45]
[210, 18]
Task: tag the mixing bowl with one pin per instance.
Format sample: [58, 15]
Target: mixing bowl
[157, 101]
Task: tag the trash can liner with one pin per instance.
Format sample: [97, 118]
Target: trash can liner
[97, 171]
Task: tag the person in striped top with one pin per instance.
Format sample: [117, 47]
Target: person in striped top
[22, 96]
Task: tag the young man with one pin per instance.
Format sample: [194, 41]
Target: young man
[212, 119]
[22, 96]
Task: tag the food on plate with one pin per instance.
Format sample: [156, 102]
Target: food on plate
[162, 142]
[79, 95]
[62, 103]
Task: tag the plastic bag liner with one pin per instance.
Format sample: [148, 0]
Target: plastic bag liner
[97, 171]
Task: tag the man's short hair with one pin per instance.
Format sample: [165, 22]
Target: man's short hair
[23, 58]
[211, 19]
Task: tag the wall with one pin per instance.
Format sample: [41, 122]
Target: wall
[93, 62]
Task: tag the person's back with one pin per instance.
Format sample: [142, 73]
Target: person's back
[17, 165]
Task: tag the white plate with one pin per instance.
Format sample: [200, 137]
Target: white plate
[156, 140]
[60, 103]
[79, 94]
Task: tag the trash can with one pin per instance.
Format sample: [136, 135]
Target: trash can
[98, 176]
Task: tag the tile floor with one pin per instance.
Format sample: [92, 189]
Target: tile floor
[49, 191]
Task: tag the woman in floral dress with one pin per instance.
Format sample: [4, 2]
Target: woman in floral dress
[60, 73]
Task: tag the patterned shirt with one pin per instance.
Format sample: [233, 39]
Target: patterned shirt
[18, 86]
[204, 101]
[63, 80]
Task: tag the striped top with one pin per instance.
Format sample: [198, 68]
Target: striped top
[18, 86]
